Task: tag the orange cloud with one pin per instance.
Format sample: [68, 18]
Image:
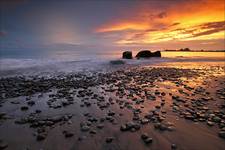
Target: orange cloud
[196, 20]
[124, 26]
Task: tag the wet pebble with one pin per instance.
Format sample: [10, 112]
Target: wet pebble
[41, 136]
[67, 134]
[3, 145]
[222, 134]
[109, 139]
[146, 138]
[24, 108]
[173, 146]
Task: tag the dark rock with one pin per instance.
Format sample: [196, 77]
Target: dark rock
[23, 108]
[81, 138]
[123, 128]
[148, 140]
[109, 139]
[144, 54]
[173, 146]
[144, 136]
[144, 121]
[111, 113]
[85, 128]
[37, 111]
[127, 55]
[222, 134]
[2, 115]
[41, 136]
[93, 132]
[68, 134]
[148, 54]
[156, 54]
[100, 126]
[3, 145]
[30, 103]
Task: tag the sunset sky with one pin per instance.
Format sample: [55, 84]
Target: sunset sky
[153, 24]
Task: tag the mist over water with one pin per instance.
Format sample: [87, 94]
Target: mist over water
[67, 61]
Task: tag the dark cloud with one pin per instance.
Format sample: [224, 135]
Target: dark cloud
[206, 29]
[175, 24]
[210, 27]
[208, 32]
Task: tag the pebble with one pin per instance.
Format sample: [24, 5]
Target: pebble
[85, 128]
[109, 139]
[81, 138]
[3, 145]
[67, 134]
[100, 126]
[30, 103]
[222, 134]
[210, 123]
[93, 131]
[23, 108]
[41, 136]
[173, 146]
[146, 138]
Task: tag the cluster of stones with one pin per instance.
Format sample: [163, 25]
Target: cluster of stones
[197, 110]
[43, 124]
[131, 88]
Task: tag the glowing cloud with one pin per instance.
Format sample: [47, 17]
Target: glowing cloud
[185, 21]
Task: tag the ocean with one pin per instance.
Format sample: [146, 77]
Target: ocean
[61, 62]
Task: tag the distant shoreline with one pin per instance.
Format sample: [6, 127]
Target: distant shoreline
[194, 51]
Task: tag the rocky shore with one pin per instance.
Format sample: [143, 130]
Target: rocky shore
[138, 108]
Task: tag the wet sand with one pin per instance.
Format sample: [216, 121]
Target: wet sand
[169, 106]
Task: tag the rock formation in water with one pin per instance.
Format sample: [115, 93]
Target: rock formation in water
[127, 55]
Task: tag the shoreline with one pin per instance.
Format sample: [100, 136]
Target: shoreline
[159, 107]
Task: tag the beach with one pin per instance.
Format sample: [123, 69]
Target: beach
[161, 103]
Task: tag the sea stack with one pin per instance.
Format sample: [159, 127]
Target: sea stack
[127, 55]
[148, 54]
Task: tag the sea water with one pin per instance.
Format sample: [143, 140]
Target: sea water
[71, 61]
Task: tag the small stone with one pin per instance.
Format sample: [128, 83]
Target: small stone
[41, 136]
[157, 106]
[216, 119]
[100, 126]
[144, 136]
[38, 111]
[222, 134]
[210, 123]
[65, 102]
[2, 115]
[109, 139]
[3, 145]
[144, 121]
[173, 146]
[148, 140]
[67, 134]
[82, 138]
[123, 128]
[93, 131]
[85, 128]
[30, 103]
[111, 113]
[23, 108]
